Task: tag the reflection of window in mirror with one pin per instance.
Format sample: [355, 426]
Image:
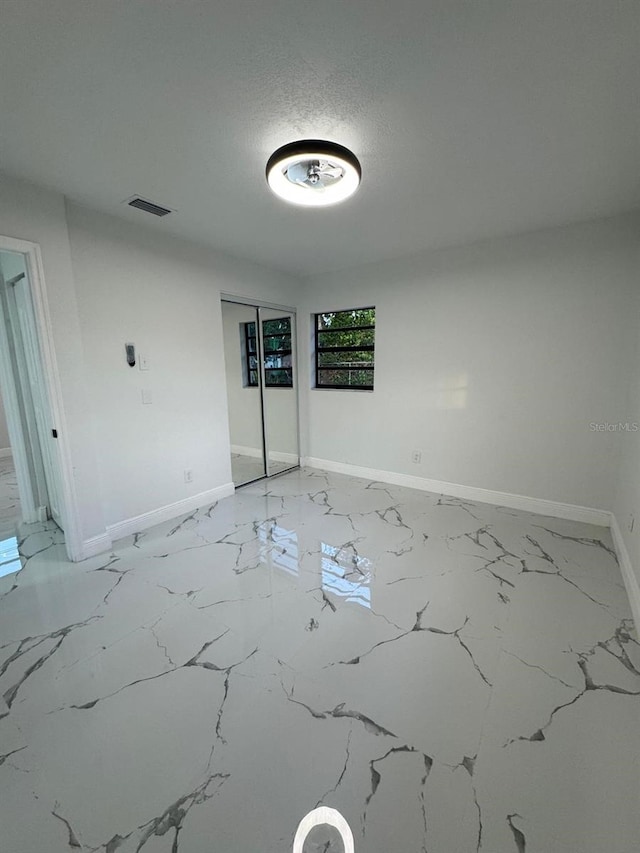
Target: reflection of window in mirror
[250, 360]
[278, 369]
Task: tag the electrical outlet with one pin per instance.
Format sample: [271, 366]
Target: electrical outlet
[416, 456]
[188, 475]
[631, 523]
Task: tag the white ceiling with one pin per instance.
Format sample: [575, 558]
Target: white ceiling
[471, 118]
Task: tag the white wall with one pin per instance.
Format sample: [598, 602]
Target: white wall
[31, 213]
[137, 285]
[627, 498]
[492, 360]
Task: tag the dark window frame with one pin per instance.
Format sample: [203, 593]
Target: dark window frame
[319, 349]
[267, 353]
[249, 353]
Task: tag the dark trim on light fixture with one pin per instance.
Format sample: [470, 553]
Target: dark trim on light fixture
[321, 146]
[325, 189]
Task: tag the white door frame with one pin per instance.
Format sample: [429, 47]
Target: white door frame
[51, 376]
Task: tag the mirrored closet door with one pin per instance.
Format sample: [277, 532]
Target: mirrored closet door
[259, 347]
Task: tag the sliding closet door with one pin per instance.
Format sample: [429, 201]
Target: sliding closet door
[244, 391]
[280, 389]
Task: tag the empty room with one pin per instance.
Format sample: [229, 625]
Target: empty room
[319, 426]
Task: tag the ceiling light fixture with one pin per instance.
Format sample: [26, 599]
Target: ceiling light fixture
[313, 173]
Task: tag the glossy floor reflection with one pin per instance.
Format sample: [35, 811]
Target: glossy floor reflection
[453, 677]
[10, 562]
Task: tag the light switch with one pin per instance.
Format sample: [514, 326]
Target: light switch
[147, 397]
[143, 362]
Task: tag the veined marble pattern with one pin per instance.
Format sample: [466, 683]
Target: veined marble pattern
[10, 509]
[453, 677]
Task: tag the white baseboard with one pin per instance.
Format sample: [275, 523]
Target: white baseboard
[95, 545]
[5, 452]
[165, 513]
[629, 577]
[539, 506]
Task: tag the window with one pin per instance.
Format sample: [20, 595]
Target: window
[345, 349]
[276, 338]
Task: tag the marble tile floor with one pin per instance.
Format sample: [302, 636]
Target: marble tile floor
[10, 510]
[244, 469]
[453, 677]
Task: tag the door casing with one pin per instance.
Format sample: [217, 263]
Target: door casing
[52, 397]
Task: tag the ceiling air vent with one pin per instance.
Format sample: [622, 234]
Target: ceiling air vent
[147, 206]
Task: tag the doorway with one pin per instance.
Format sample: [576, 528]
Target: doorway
[30, 472]
[262, 389]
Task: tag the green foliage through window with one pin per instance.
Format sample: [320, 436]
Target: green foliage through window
[276, 338]
[345, 345]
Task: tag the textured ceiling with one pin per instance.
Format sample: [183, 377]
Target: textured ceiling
[471, 119]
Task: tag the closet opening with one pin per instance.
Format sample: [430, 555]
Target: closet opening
[262, 388]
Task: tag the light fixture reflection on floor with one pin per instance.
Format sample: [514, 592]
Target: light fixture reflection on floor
[313, 173]
[10, 562]
[318, 817]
